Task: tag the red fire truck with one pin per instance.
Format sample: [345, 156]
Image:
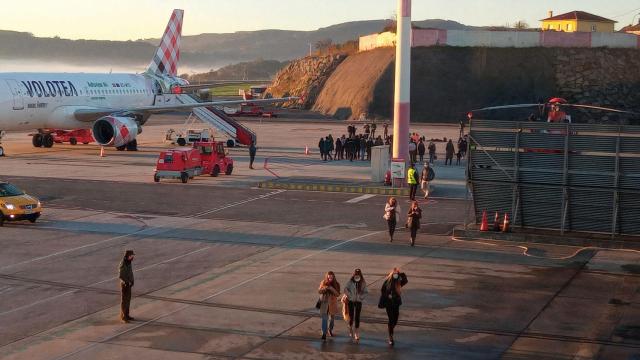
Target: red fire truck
[185, 163]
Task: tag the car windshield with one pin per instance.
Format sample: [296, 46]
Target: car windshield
[9, 190]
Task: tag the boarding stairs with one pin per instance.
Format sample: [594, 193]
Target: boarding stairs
[219, 120]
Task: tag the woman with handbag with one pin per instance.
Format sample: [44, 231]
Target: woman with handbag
[355, 291]
[391, 214]
[413, 220]
[329, 291]
[391, 299]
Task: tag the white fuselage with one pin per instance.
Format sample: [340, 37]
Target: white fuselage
[48, 100]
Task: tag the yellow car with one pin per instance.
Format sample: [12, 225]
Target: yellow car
[16, 205]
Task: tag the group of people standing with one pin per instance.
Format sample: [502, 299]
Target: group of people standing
[354, 147]
[352, 298]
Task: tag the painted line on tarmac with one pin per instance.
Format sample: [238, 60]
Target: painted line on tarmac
[140, 232]
[360, 198]
[111, 337]
[100, 282]
[236, 204]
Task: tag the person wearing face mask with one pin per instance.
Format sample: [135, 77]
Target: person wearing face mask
[329, 291]
[391, 299]
[355, 290]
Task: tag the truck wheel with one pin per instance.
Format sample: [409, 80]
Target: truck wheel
[85, 142]
[36, 140]
[73, 141]
[181, 142]
[231, 143]
[215, 171]
[229, 169]
[156, 178]
[47, 140]
[184, 177]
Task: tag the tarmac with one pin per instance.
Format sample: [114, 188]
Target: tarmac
[227, 270]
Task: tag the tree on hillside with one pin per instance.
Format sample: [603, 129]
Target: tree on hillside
[521, 25]
[323, 45]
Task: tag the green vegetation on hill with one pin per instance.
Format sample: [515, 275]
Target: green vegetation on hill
[253, 70]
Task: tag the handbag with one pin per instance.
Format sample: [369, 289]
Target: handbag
[318, 303]
[382, 303]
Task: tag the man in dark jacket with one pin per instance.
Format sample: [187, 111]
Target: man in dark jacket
[421, 150]
[125, 274]
[252, 154]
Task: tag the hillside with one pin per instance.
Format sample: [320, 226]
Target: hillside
[447, 82]
[258, 69]
[203, 52]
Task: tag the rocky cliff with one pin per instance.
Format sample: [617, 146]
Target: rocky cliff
[447, 82]
[305, 78]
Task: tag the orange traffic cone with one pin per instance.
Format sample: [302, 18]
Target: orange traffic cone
[306, 150]
[101, 151]
[484, 226]
[505, 223]
[496, 222]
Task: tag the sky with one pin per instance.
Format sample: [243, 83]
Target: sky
[137, 19]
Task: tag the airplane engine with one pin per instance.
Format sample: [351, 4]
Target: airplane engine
[115, 131]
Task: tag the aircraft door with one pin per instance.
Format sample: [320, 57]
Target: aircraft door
[18, 93]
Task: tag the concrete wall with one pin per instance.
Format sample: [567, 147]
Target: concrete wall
[613, 40]
[492, 38]
[504, 39]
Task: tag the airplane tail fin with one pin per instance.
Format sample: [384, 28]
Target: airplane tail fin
[165, 61]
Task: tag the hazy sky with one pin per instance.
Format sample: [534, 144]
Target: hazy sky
[135, 19]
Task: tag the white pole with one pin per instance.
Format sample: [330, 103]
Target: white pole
[402, 108]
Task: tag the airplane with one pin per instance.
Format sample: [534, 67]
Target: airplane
[113, 106]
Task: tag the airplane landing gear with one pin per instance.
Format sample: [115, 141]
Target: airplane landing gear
[130, 146]
[42, 140]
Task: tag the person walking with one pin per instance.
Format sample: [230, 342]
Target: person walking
[355, 290]
[385, 131]
[413, 221]
[321, 148]
[461, 128]
[449, 153]
[412, 180]
[391, 298]
[424, 179]
[432, 151]
[373, 129]
[363, 148]
[338, 148]
[329, 291]
[125, 274]
[421, 150]
[252, 154]
[391, 214]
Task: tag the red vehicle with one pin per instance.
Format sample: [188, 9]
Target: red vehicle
[58, 136]
[185, 163]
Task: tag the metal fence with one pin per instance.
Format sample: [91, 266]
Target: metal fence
[567, 177]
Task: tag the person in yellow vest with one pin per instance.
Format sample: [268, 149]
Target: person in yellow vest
[412, 180]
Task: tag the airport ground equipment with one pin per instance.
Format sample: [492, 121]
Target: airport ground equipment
[237, 132]
[184, 163]
[72, 137]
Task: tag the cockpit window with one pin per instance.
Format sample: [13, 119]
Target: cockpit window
[9, 190]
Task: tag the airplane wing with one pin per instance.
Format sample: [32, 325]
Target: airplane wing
[92, 114]
[193, 87]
